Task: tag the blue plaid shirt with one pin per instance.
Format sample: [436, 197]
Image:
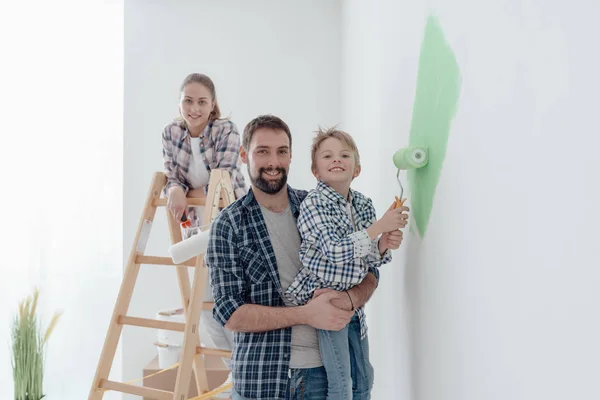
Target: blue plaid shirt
[336, 250]
[243, 269]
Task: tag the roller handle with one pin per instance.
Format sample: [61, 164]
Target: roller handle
[399, 203]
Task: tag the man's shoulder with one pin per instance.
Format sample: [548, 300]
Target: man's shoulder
[299, 194]
[231, 214]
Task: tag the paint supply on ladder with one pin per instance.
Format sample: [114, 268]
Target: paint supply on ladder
[185, 222]
[169, 343]
[191, 247]
[411, 157]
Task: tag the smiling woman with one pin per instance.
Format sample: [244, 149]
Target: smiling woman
[198, 141]
[193, 145]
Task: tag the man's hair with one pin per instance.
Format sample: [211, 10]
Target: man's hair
[261, 122]
[323, 134]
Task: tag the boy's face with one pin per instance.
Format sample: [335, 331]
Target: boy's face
[335, 163]
[268, 159]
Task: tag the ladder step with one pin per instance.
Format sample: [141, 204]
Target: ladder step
[152, 260]
[156, 394]
[151, 323]
[213, 352]
[192, 201]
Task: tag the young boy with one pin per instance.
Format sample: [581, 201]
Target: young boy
[340, 242]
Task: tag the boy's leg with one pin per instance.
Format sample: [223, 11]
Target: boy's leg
[362, 370]
[335, 354]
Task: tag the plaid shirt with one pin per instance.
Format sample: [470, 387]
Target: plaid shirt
[336, 250]
[219, 148]
[243, 269]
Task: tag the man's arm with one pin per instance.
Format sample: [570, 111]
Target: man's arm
[358, 296]
[257, 318]
[362, 292]
[226, 275]
[319, 313]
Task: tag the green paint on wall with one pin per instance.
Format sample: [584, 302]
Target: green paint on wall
[436, 103]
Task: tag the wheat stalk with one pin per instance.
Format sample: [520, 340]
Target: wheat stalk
[28, 346]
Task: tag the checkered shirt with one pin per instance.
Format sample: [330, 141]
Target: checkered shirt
[336, 250]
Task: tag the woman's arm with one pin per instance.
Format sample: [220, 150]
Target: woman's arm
[175, 190]
[196, 193]
[169, 167]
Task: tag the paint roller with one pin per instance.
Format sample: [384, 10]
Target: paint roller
[189, 248]
[411, 157]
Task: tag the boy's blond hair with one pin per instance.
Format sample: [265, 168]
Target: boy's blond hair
[323, 134]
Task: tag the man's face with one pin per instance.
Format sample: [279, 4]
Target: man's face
[268, 158]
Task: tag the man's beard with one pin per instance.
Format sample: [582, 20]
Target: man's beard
[269, 187]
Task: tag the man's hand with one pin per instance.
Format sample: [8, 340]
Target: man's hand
[339, 299]
[322, 314]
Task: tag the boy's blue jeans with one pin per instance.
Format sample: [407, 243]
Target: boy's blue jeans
[346, 360]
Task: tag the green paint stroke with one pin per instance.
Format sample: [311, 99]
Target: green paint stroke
[436, 103]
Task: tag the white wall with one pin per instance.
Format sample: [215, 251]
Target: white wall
[60, 202]
[364, 116]
[500, 299]
[264, 57]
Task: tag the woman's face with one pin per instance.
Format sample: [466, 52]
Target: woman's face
[195, 105]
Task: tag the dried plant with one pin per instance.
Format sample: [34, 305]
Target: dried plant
[28, 349]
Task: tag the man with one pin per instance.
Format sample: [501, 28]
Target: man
[253, 256]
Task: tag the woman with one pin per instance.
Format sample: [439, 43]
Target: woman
[193, 145]
[196, 143]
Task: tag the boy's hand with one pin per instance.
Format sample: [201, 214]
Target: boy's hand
[390, 240]
[394, 218]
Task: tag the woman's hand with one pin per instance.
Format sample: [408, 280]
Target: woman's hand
[177, 202]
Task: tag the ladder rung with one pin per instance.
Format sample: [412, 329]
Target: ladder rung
[151, 323]
[194, 201]
[153, 260]
[208, 305]
[213, 352]
[136, 390]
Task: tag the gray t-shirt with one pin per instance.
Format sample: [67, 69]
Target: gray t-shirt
[285, 239]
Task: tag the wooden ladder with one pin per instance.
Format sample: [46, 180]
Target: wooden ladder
[220, 194]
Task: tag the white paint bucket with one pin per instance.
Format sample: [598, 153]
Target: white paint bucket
[166, 336]
[168, 354]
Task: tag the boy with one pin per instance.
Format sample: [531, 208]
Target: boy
[340, 241]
